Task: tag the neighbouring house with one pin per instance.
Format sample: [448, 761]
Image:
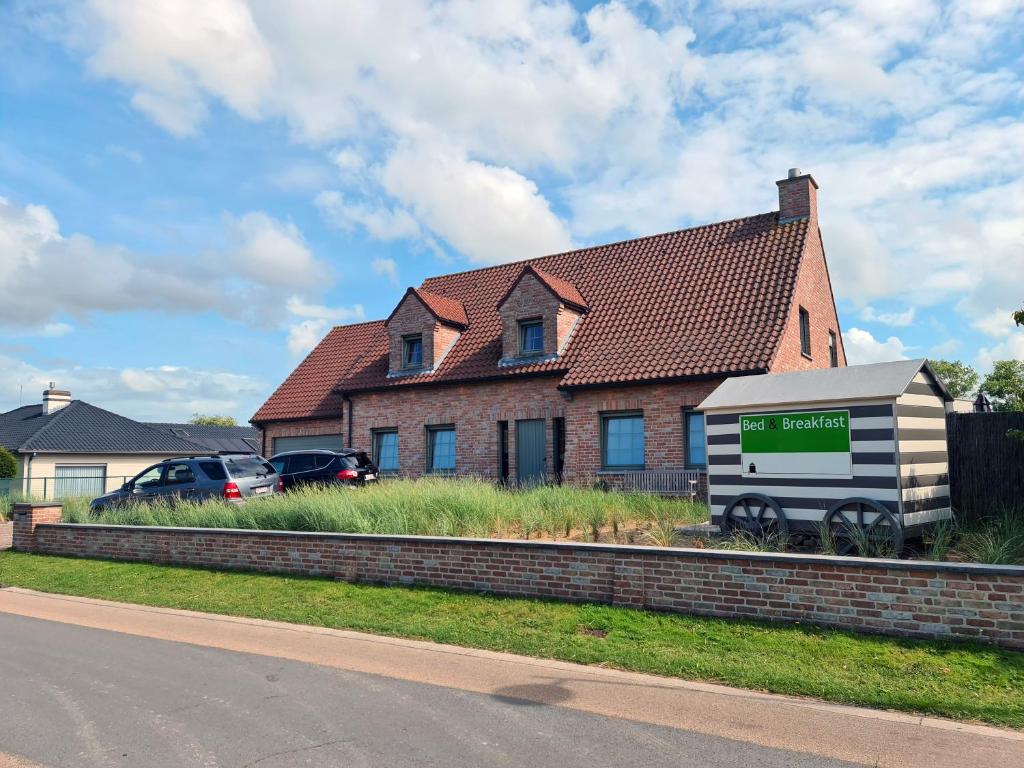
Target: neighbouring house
[68, 447]
[581, 366]
[214, 438]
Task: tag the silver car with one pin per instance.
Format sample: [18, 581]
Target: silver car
[234, 478]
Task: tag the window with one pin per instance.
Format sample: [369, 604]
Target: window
[358, 460]
[440, 449]
[622, 441]
[301, 462]
[248, 466]
[805, 332]
[558, 439]
[412, 351]
[150, 478]
[179, 474]
[531, 337]
[215, 470]
[385, 449]
[696, 451]
[503, 451]
[833, 350]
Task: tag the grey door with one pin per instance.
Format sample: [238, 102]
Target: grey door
[531, 466]
[308, 443]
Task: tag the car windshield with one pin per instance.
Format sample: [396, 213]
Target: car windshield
[248, 466]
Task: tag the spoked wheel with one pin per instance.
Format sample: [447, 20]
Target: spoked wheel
[754, 514]
[865, 527]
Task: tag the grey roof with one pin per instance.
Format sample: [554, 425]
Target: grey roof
[856, 382]
[82, 428]
[215, 438]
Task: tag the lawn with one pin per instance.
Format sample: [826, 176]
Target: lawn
[958, 680]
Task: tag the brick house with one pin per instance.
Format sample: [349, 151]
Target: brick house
[583, 365]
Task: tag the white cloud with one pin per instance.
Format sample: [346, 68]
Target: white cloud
[379, 221]
[861, 347]
[174, 52]
[907, 113]
[131, 155]
[491, 214]
[161, 393]
[897, 319]
[270, 252]
[45, 274]
[386, 268]
[1011, 349]
[998, 323]
[307, 333]
[945, 349]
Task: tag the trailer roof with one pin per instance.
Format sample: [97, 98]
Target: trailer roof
[856, 382]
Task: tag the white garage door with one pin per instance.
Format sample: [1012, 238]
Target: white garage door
[79, 480]
[309, 442]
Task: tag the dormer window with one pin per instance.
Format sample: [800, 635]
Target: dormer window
[539, 313]
[412, 351]
[422, 331]
[531, 336]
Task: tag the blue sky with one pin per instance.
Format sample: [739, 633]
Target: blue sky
[192, 193]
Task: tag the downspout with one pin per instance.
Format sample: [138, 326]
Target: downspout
[346, 399]
[26, 487]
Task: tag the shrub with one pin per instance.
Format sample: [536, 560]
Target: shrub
[997, 538]
[430, 506]
[8, 464]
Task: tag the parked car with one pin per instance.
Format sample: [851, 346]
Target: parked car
[232, 477]
[349, 467]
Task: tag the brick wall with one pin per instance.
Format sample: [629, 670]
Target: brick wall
[813, 293]
[411, 318]
[903, 598]
[475, 410]
[303, 428]
[530, 299]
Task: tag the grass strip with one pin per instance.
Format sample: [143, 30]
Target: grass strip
[966, 681]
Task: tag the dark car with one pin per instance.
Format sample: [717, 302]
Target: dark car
[234, 478]
[352, 468]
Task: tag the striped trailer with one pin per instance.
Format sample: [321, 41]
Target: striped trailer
[857, 453]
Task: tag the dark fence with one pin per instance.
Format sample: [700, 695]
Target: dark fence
[986, 468]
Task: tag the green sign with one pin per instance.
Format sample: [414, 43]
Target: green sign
[810, 432]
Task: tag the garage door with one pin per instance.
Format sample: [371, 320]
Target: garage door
[79, 480]
[309, 442]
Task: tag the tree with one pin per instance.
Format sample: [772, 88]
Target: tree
[8, 464]
[1018, 317]
[213, 421]
[1005, 385]
[960, 378]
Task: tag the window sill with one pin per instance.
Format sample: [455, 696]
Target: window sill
[805, 355]
[618, 470]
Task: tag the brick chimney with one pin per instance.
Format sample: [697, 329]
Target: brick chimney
[798, 197]
[55, 399]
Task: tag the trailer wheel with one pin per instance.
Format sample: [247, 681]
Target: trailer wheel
[755, 514]
[864, 527]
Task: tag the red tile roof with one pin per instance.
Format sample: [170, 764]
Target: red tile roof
[309, 391]
[445, 309]
[563, 289]
[703, 301]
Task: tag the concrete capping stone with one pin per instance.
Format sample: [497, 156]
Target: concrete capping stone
[765, 559]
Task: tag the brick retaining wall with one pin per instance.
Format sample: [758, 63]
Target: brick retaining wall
[907, 598]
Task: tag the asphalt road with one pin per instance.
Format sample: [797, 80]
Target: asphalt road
[74, 696]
